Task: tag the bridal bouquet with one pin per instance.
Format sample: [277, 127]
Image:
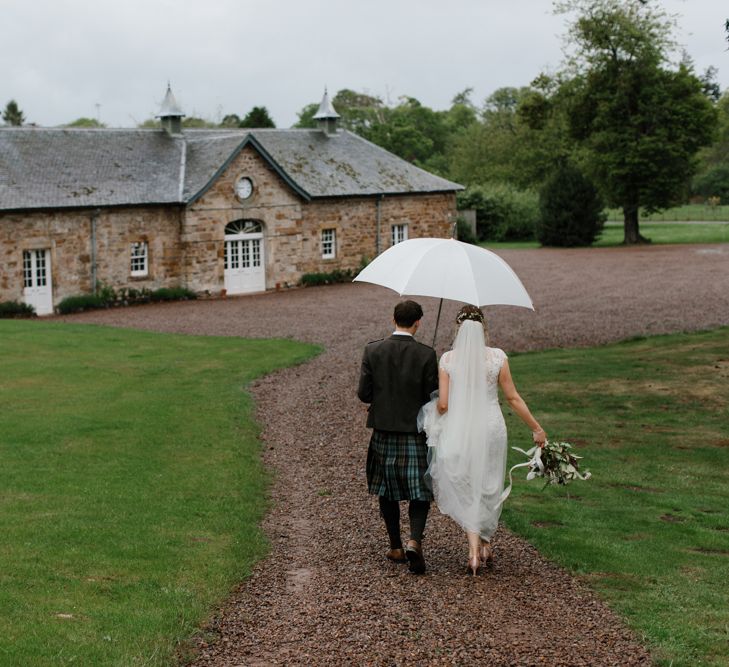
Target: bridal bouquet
[555, 462]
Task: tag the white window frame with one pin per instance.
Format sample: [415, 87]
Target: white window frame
[139, 263]
[399, 233]
[328, 243]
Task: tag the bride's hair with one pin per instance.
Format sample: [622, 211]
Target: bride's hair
[475, 314]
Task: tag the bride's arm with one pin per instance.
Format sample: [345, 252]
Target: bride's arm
[518, 405]
[443, 384]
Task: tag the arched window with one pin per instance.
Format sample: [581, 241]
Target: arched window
[243, 227]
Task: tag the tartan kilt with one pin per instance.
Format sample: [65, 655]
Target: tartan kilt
[396, 463]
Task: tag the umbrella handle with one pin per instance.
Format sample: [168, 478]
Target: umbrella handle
[437, 320]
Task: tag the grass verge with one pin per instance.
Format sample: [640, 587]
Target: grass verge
[660, 233]
[685, 213]
[650, 531]
[131, 490]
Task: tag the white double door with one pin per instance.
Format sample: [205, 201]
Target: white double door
[37, 283]
[244, 263]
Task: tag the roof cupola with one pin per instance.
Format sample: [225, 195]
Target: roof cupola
[170, 114]
[326, 115]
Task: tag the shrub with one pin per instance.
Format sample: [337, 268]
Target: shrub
[336, 276]
[571, 210]
[16, 309]
[503, 213]
[107, 297]
[464, 232]
[713, 183]
[172, 294]
[77, 304]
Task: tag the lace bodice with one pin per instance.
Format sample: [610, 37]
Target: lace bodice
[493, 360]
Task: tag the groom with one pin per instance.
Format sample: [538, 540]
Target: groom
[396, 379]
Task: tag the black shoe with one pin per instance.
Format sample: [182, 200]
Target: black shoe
[414, 554]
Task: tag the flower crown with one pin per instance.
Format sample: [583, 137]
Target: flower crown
[470, 313]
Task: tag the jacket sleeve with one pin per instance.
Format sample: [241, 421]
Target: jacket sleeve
[364, 391]
[431, 375]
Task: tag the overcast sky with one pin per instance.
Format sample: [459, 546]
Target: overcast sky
[111, 59]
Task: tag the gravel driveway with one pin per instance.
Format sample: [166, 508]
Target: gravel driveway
[326, 595]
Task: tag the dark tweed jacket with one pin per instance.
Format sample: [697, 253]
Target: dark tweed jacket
[397, 377]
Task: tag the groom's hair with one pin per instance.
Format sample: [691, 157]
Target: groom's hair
[407, 313]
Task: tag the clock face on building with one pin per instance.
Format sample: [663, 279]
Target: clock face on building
[244, 187]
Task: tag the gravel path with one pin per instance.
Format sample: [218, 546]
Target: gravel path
[325, 595]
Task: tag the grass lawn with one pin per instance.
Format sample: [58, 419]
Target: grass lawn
[658, 232]
[131, 487]
[650, 531]
[687, 212]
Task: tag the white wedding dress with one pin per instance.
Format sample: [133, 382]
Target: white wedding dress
[467, 445]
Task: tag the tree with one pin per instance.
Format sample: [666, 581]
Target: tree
[712, 175]
[257, 117]
[571, 211]
[519, 138]
[639, 122]
[13, 115]
[86, 122]
[230, 120]
[195, 122]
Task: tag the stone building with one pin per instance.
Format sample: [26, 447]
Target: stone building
[217, 211]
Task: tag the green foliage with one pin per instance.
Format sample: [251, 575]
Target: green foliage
[230, 120]
[150, 124]
[86, 122]
[16, 309]
[13, 115]
[193, 122]
[328, 278]
[639, 123]
[518, 140]
[77, 304]
[712, 174]
[503, 213]
[571, 210]
[132, 488]
[464, 232]
[107, 297]
[714, 182]
[257, 117]
[172, 294]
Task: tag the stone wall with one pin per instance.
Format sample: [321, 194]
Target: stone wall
[355, 222]
[292, 226]
[68, 236]
[273, 203]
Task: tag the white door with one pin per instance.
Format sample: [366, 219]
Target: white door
[244, 261]
[38, 288]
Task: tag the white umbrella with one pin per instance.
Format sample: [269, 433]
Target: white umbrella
[447, 269]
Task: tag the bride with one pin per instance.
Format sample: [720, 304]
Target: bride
[467, 434]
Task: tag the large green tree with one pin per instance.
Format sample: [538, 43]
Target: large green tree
[12, 114]
[257, 117]
[639, 120]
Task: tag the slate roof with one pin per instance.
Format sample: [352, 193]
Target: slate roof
[61, 167]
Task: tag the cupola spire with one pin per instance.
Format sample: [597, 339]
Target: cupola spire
[170, 113]
[326, 115]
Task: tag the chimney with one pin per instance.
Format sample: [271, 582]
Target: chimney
[170, 114]
[326, 116]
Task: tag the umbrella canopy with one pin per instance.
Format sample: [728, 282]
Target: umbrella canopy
[447, 269]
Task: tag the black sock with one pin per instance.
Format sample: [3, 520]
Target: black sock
[390, 511]
[418, 513]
